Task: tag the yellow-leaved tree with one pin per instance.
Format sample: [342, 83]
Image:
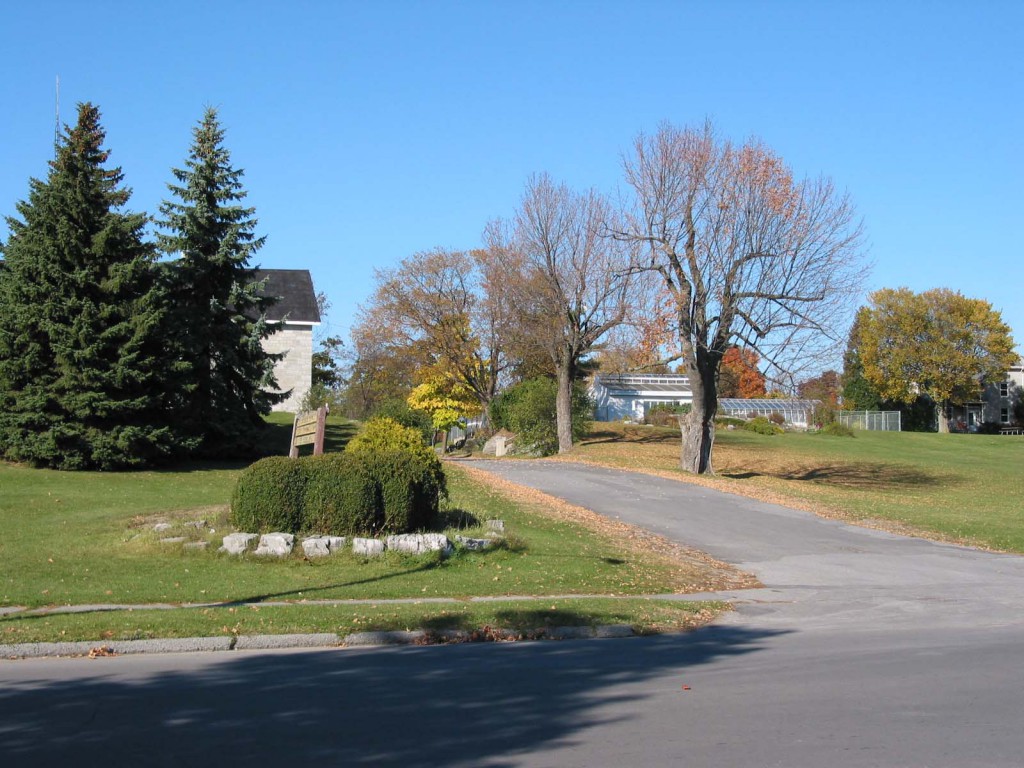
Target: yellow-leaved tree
[445, 400]
[939, 343]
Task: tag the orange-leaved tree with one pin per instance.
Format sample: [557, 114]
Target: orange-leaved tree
[739, 375]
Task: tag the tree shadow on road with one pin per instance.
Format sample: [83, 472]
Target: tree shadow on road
[461, 705]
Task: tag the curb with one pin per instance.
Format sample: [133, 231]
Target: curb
[94, 649]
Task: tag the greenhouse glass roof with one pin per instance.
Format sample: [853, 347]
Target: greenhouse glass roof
[766, 405]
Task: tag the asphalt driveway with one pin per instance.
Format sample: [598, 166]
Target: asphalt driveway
[817, 572]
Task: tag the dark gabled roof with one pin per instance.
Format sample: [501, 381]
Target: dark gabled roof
[293, 289]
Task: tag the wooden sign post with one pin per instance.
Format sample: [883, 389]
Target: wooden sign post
[309, 427]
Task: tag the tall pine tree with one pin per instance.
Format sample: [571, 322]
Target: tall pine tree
[220, 314]
[82, 364]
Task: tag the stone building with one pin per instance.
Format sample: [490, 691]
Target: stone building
[296, 307]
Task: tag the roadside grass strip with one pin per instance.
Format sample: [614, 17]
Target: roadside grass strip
[645, 616]
[85, 543]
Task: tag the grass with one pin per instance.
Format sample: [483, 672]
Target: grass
[87, 538]
[964, 488]
[645, 615]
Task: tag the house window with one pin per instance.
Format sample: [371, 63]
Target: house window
[1004, 389]
[1004, 415]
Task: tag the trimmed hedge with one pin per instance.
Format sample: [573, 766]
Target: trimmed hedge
[270, 496]
[386, 481]
[409, 489]
[408, 474]
[341, 496]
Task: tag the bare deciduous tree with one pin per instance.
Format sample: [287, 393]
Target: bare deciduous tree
[750, 256]
[439, 308]
[569, 281]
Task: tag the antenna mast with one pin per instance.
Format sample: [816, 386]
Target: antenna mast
[56, 127]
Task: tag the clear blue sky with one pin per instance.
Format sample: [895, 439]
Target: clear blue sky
[372, 130]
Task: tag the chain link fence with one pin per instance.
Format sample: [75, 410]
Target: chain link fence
[881, 421]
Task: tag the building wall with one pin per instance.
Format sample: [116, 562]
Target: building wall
[613, 403]
[999, 407]
[295, 371]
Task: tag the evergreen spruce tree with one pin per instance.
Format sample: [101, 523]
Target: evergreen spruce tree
[219, 310]
[81, 320]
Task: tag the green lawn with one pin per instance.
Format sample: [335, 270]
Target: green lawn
[644, 614]
[960, 487]
[87, 538]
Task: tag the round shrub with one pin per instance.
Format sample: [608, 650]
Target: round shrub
[269, 496]
[837, 429]
[776, 418]
[666, 414]
[341, 496]
[399, 410]
[728, 421]
[528, 409]
[762, 426]
[381, 434]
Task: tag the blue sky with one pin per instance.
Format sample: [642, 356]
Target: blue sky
[369, 131]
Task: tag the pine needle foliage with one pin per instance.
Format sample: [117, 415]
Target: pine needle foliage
[219, 310]
[82, 320]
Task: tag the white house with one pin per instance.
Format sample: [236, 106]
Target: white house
[296, 307]
[631, 396]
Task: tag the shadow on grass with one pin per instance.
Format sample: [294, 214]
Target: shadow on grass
[634, 435]
[305, 591]
[459, 519]
[861, 475]
[454, 705]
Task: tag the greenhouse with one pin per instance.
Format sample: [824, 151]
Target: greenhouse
[797, 413]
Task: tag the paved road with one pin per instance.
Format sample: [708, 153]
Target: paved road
[864, 649]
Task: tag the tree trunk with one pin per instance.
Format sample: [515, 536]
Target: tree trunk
[698, 426]
[943, 420]
[563, 405]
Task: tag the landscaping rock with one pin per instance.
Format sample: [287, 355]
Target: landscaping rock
[420, 543]
[503, 438]
[197, 544]
[316, 546]
[159, 527]
[475, 544]
[275, 545]
[237, 543]
[367, 547]
[197, 524]
[498, 526]
[336, 543]
[173, 540]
